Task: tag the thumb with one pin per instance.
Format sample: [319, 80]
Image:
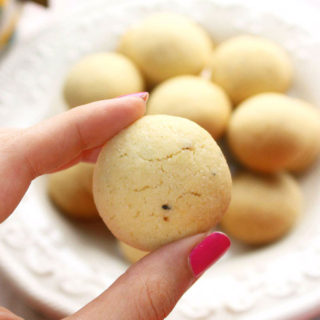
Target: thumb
[150, 289]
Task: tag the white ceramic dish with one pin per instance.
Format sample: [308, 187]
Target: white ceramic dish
[60, 266]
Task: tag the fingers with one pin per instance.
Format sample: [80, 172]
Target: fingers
[90, 156]
[151, 288]
[5, 314]
[60, 142]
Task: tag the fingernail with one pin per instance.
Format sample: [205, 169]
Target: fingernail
[207, 252]
[143, 95]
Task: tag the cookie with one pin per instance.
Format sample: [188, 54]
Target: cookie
[131, 254]
[161, 179]
[101, 76]
[248, 65]
[193, 98]
[71, 191]
[166, 45]
[272, 132]
[311, 139]
[263, 207]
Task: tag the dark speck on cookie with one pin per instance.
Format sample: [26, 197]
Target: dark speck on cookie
[166, 207]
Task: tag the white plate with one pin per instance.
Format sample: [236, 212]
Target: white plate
[60, 266]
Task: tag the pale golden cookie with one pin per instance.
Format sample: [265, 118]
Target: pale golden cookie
[272, 132]
[161, 179]
[167, 45]
[248, 65]
[101, 76]
[263, 207]
[71, 191]
[193, 98]
[130, 253]
[311, 137]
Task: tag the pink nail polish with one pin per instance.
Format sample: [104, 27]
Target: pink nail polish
[208, 251]
[143, 95]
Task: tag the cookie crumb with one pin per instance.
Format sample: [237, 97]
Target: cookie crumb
[166, 207]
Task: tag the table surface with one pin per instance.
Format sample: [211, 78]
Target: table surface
[33, 19]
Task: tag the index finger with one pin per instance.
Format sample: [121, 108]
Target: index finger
[28, 153]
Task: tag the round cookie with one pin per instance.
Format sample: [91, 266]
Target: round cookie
[101, 76]
[263, 207]
[311, 139]
[161, 179]
[247, 65]
[166, 45]
[193, 98]
[272, 132]
[131, 254]
[71, 191]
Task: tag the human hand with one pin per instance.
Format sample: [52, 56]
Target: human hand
[150, 288]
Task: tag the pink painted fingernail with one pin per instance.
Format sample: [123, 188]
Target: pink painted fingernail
[208, 251]
[143, 95]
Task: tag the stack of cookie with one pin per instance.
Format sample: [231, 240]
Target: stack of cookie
[165, 177]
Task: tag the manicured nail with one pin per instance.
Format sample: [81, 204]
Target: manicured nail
[207, 252]
[143, 95]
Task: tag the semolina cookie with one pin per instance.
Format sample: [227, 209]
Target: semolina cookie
[71, 191]
[247, 65]
[161, 179]
[131, 254]
[167, 45]
[193, 98]
[311, 136]
[101, 76]
[271, 132]
[263, 207]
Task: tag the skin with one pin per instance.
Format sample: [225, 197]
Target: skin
[150, 288]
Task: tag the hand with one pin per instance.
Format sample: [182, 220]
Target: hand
[150, 288]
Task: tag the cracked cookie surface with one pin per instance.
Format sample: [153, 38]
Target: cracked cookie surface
[154, 182]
